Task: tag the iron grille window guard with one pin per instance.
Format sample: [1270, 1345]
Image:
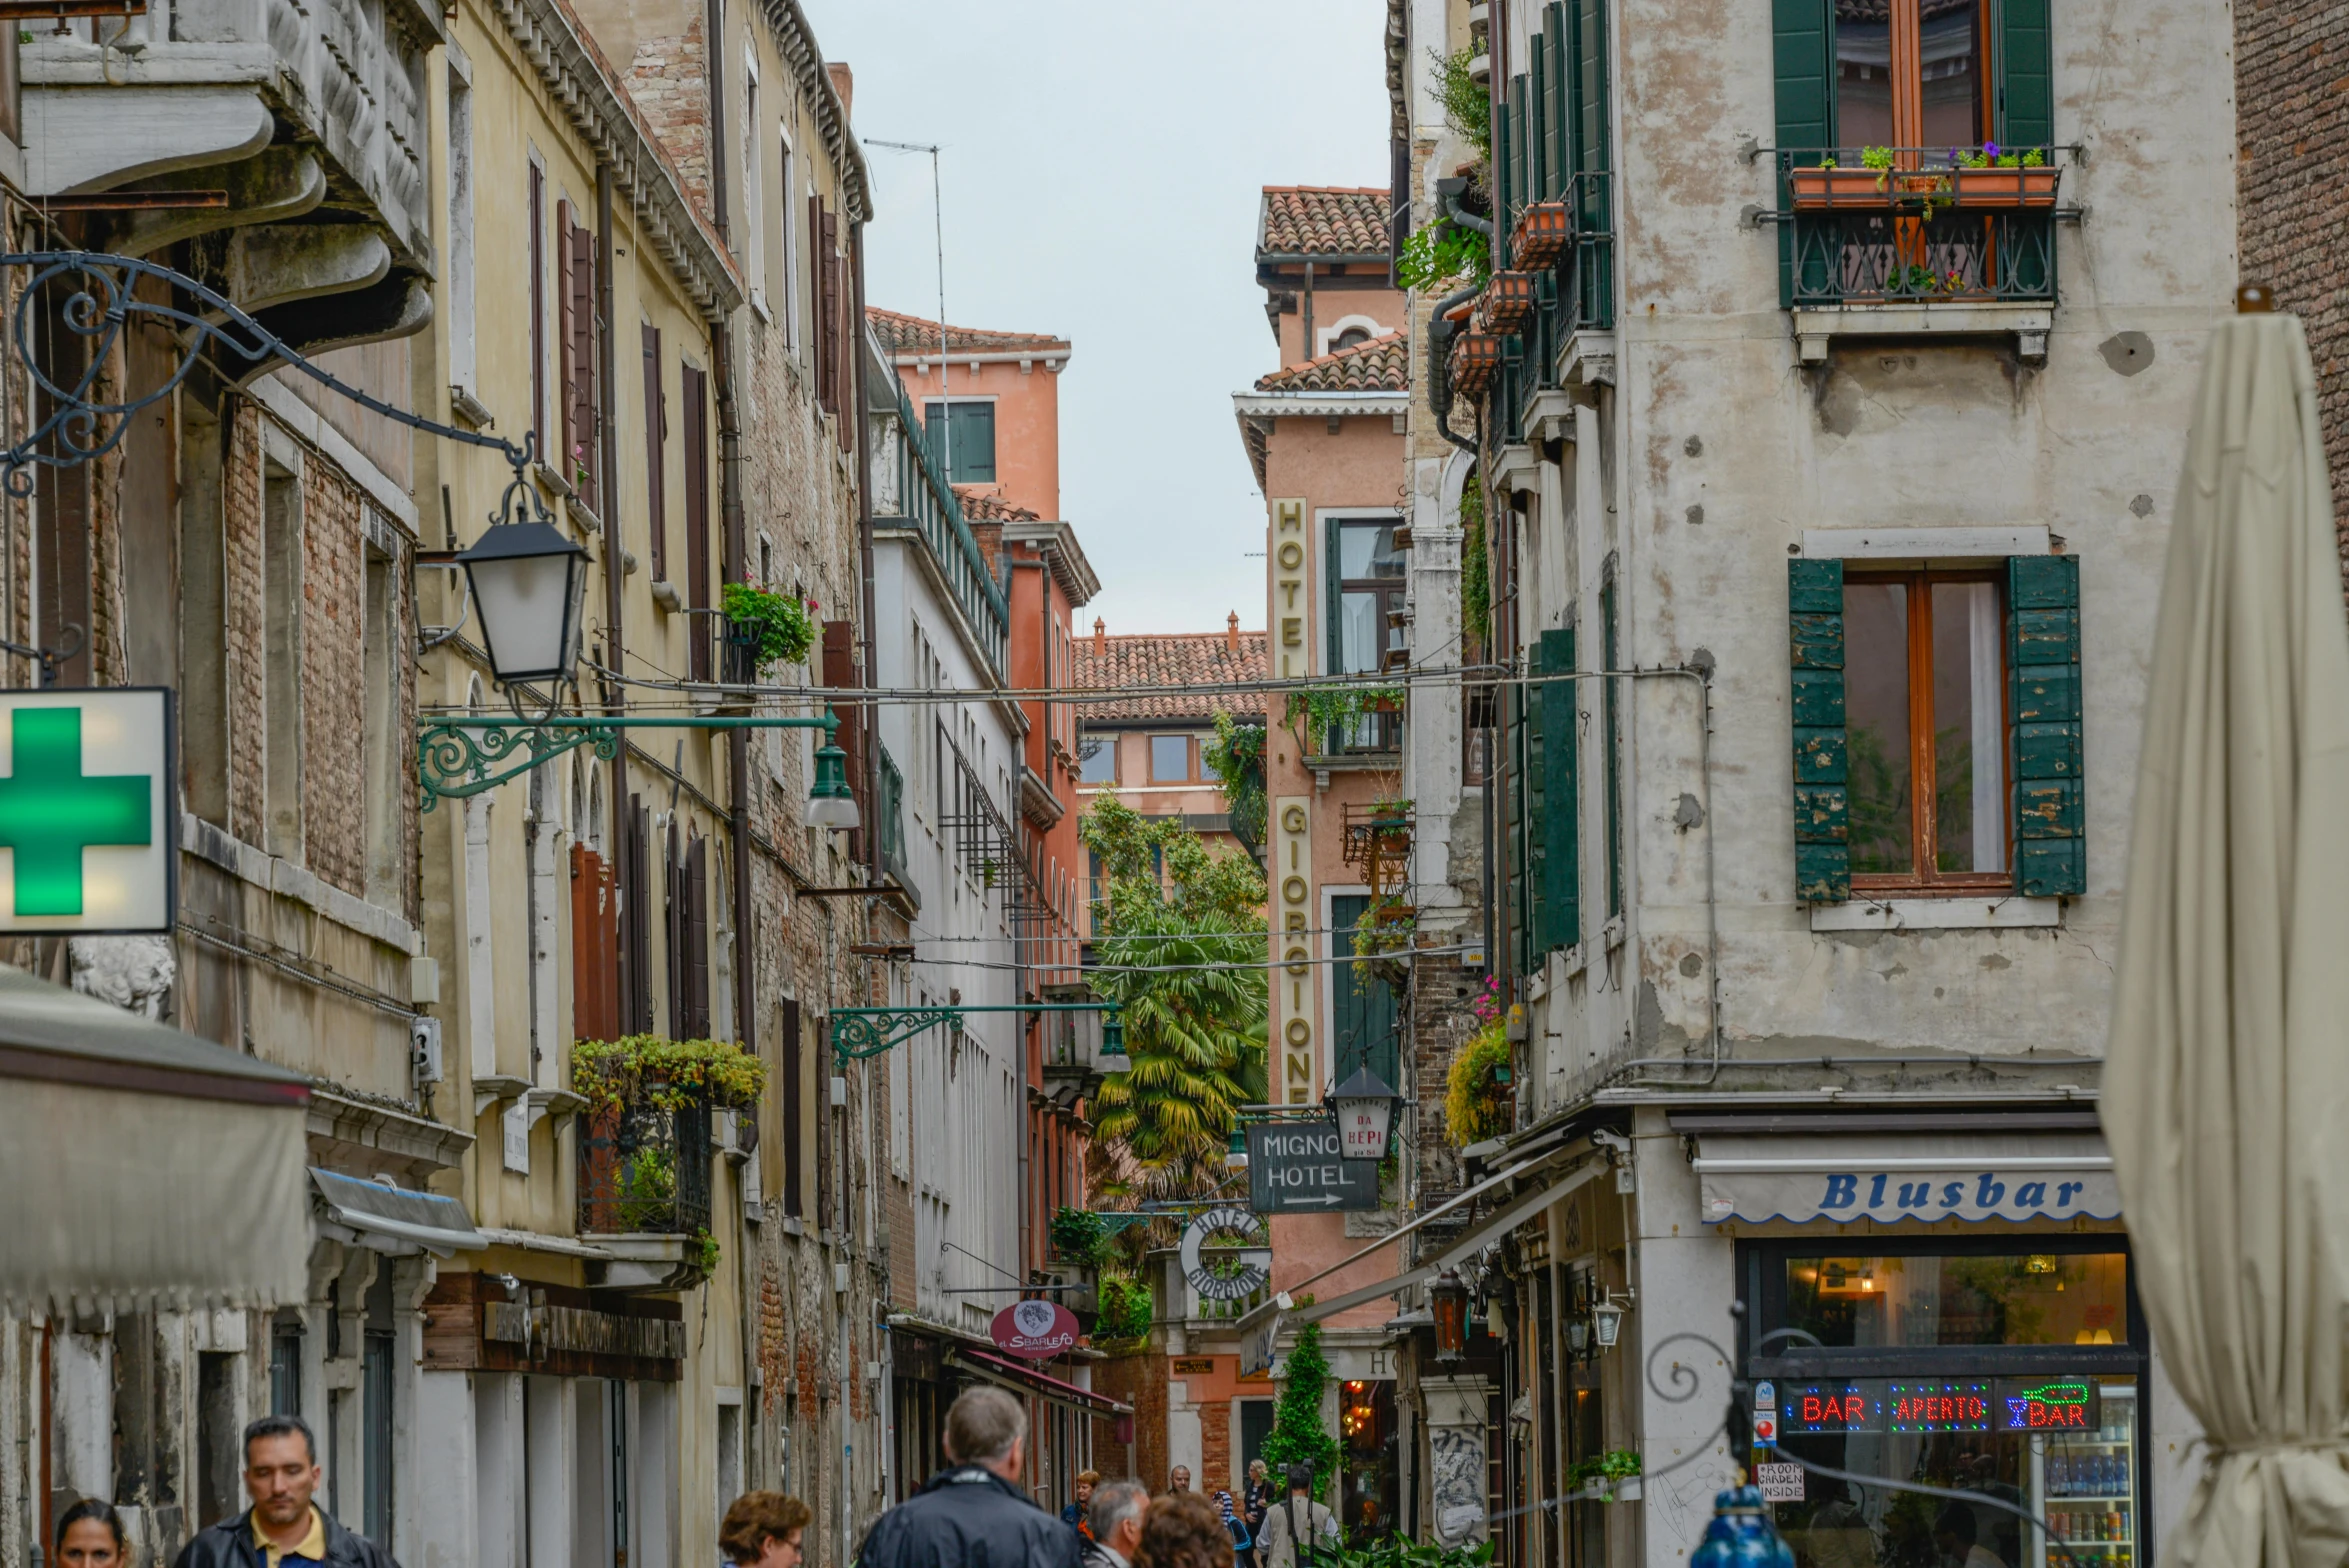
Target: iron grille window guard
[1925, 228]
[644, 1169]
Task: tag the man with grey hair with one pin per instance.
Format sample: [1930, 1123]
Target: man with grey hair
[1117, 1523]
[974, 1512]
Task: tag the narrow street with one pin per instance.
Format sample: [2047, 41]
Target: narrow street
[1557, 770]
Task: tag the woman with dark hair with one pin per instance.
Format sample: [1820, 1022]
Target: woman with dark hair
[1243, 1544]
[89, 1535]
[1183, 1530]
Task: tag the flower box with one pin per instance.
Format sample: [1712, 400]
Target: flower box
[1507, 303]
[1474, 358]
[1542, 233]
[1817, 189]
[2006, 186]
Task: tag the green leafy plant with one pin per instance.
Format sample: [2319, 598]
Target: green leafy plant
[670, 1075]
[1383, 934]
[1078, 1235]
[1444, 253]
[1313, 711]
[1180, 942]
[778, 627]
[1605, 1469]
[1297, 1436]
[706, 1252]
[1400, 1551]
[1476, 583]
[648, 1189]
[1125, 1308]
[1236, 757]
[1468, 107]
[1478, 1102]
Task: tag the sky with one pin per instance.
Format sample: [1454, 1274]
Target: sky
[1100, 164]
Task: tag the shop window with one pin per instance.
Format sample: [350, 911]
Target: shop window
[1986, 1299]
[1370, 1478]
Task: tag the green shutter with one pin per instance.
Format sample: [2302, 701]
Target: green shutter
[1802, 56]
[1822, 831]
[1520, 155]
[1557, 131]
[1504, 177]
[1534, 883]
[1541, 170]
[1561, 798]
[2043, 664]
[1590, 86]
[2026, 75]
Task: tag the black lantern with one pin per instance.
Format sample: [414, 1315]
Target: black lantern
[1365, 1109]
[527, 580]
[1448, 1299]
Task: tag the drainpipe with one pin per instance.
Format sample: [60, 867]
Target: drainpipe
[1439, 384]
[1305, 349]
[730, 464]
[615, 698]
[864, 545]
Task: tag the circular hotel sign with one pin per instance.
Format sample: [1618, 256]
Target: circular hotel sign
[1228, 1224]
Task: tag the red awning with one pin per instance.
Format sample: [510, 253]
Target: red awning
[1001, 1369]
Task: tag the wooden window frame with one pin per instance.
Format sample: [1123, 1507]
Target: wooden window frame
[1906, 72]
[1924, 879]
[1190, 757]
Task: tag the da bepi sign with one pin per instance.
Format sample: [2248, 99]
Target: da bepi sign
[88, 829]
[1296, 1168]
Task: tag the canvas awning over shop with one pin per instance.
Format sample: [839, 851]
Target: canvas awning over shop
[141, 1166]
[1026, 1379]
[374, 1213]
[1905, 1176]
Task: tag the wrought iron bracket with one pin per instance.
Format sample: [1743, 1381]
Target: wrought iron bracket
[861, 1032]
[463, 754]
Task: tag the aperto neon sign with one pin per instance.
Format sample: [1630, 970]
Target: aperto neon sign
[87, 819]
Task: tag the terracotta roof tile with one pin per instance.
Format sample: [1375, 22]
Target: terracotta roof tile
[1381, 365]
[1175, 659]
[1321, 220]
[986, 506]
[903, 334]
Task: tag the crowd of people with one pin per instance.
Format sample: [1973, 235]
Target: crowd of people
[972, 1514]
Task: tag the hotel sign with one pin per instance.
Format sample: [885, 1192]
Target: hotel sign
[87, 819]
[1293, 982]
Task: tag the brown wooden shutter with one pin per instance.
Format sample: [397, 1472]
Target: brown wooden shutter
[845, 293]
[579, 460]
[636, 918]
[538, 307]
[595, 947]
[697, 940]
[656, 446]
[672, 930]
[794, 1115]
[840, 675]
[828, 258]
[819, 278]
[566, 347]
[697, 518]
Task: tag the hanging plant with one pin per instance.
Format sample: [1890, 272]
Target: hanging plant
[670, 1075]
[1479, 1102]
[1078, 1235]
[776, 627]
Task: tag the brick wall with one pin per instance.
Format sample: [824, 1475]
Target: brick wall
[1440, 1020]
[248, 675]
[1215, 1450]
[669, 79]
[1138, 1380]
[2292, 145]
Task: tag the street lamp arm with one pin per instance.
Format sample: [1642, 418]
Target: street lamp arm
[861, 1032]
[466, 754]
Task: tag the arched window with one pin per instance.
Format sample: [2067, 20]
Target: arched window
[1352, 337]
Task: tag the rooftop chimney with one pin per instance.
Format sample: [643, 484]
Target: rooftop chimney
[1100, 637]
[1231, 634]
[843, 83]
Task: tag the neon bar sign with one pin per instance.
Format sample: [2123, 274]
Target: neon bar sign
[2059, 1405]
[1938, 1407]
[1832, 1407]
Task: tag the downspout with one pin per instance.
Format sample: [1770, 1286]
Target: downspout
[864, 542]
[1439, 383]
[1305, 349]
[730, 462]
[615, 698]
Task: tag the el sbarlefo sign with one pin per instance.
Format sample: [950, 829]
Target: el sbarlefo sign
[88, 833]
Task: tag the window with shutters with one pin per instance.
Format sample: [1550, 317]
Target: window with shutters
[695, 428]
[536, 216]
[656, 456]
[576, 389]
[1937, 740]
[595, 947]
[794, 1113]
[964, 429]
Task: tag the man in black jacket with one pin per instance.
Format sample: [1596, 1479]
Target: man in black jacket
[283, 1528]
[973, 1514]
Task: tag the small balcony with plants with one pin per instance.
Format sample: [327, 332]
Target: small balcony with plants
[1919, 241]
[646, 1153]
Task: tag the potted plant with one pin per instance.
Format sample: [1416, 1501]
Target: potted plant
[1992, 178]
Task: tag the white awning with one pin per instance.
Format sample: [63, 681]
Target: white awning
[1889, 1176]
[141, 1166]
[375, 1213]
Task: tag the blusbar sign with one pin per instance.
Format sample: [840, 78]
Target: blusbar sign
[87, 840]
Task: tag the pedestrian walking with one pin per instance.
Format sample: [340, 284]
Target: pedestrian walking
[1183, 1530]
[1243, 1542]
[1297, 1530]
[765, 1530]
[1074, 1514]
[89, 1535]
[284, 1524]
[1116, 1518]
[1179, 1479]
[1256, 1501]
[973, 1513]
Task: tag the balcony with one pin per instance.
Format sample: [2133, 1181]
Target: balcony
[644, 1191]
[910, 492]
[312, 119]
[1560, 298]
[1917, 244]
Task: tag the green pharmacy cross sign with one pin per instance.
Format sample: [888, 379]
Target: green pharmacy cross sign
[85, 817]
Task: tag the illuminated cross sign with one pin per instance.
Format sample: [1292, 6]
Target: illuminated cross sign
[86, 840]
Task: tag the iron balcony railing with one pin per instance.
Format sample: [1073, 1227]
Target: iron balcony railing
[1922, 226]
[1574, 291]
[926, 503]
[645, 1170]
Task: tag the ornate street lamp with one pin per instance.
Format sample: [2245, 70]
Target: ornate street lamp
[1113, 1058]
[1448, 1300]
[1365, 1109]
[1235, 1156]
[527, 580]
[832, 804]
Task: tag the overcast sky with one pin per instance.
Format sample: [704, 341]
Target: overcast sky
[1101, 164]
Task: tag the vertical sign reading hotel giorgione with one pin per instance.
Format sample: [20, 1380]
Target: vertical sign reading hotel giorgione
[1292, 885]
[1292, 602]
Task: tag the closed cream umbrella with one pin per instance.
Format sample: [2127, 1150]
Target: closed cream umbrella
[2226, 1094]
